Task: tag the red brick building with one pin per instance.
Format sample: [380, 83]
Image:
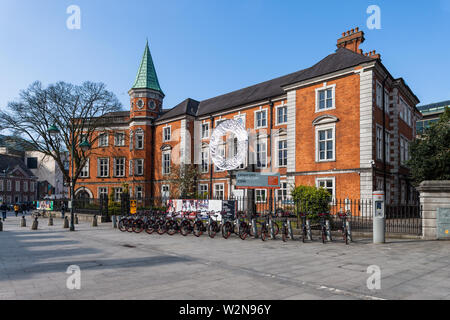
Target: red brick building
[320, 126]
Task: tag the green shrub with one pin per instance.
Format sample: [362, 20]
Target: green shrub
[311, 200]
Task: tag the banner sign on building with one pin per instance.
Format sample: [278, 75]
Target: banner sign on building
[257, 180]
[203, 206]
[45, 205]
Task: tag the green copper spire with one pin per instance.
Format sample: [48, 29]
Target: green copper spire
[146, 77]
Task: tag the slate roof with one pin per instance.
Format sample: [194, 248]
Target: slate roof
[188, 106]
[341, 59]
[15, 143]
[8, 163]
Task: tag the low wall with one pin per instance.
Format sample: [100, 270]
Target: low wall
[81, 216]
[434, 195]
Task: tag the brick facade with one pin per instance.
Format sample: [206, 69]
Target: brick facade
[335, 105]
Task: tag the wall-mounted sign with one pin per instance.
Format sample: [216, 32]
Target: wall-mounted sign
[257, 180]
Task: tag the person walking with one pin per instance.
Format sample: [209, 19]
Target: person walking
[16, 209]
[63, 210]
[23, 209]
[4, 208]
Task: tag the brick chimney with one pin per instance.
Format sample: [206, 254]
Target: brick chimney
[351, 40]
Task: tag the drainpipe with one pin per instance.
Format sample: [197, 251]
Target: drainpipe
[384, 136]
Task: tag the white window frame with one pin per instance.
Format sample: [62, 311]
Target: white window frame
[17, 186]
[131, 139]
[258, 141]
[166, 137]
[139, 164]
[277, 118]
[379, 142]
[139, 136]
[325, 127]
[387, 142]
[205, 136]
[200, 188]
[84, 173]
[260, 191]
[139, 192]
[333, 97]
[284, 190]
[99, 191]
[204, 151]
[222, 148]
[256, 118]
[378, 94]
[32, 184]
[116, 167]
[99, 165]
[119, 142]
[8, 185]
[118, 193]
[163, 195]
[169, 153]
[222, 185]
[281, 139]
[318, 180]
[103, 139]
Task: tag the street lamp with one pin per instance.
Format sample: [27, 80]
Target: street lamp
[85, 146]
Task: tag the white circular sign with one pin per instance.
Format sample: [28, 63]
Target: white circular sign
[217, 157]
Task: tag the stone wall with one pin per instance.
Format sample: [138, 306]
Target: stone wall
[433, 195]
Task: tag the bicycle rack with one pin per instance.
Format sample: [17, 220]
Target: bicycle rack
[327, 226]
[255, 228]
[308, 230]
[291, 232]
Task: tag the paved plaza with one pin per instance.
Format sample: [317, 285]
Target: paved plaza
[116, 265]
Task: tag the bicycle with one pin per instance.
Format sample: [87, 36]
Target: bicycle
[323, 226]
[304, 227]
[198, 227]
[345, 232]
[228, 227]
[213, 225]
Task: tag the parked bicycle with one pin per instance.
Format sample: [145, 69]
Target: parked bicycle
[323, 226]
[345, 232]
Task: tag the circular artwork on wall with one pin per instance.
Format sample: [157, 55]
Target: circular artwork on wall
[235, 127]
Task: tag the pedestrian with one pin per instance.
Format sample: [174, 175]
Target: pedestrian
[16, 209]
[23, 209]
[63, 210]
[4, 208]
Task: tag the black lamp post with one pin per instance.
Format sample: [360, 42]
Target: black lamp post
[54, 132]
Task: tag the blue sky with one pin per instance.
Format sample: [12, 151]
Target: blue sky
[206, 48]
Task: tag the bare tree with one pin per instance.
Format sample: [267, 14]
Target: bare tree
[184, 179]
[77, 111]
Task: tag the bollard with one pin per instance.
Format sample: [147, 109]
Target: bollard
[94, 221]
[66, 223]
[35, 224]
[349, 230]
[308, 230]
[114, 221]
[23, 222]
[76, 219]
[255, 228]
[290, 230]
[272, 231]
[238, 226]
[50, 220]
[1, 225]
[327, 226]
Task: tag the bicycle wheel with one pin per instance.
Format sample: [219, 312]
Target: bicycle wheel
[243, 231]
[129, 225]
[226, 230]
[149, 227]
[161, 228]
[138, 226]
[122, 225]
[276, 229]
[212, 227]
[171, 228]
[198, 228]
[185, 228]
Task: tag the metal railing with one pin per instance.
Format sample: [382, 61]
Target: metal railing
[400, 218]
